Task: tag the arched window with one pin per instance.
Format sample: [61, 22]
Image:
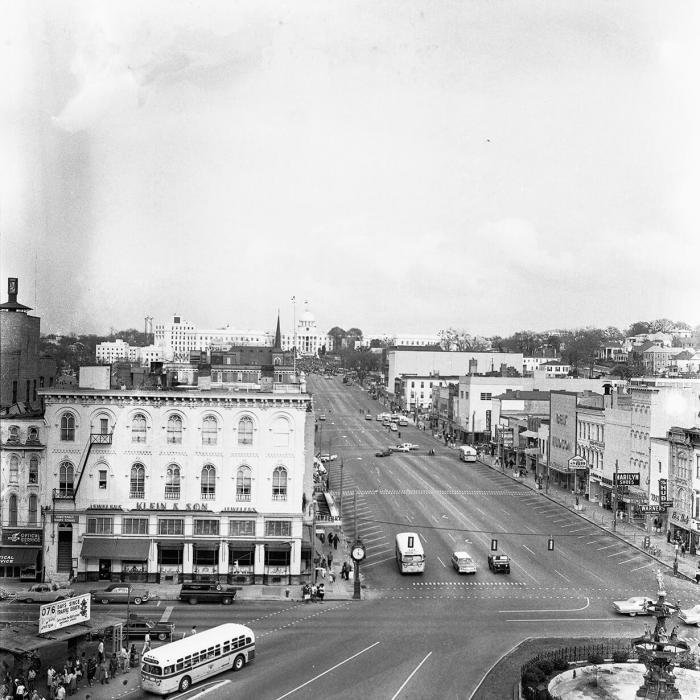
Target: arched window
[33, 509]
[14, 469]
[137, 481]
[68, 427]
[138, 428]
[245, 431]
[33, 434]
[208, 482]
[175, 429]
[243, 484]
[66, 474]
[279, 484]
[12, 510]
[34, 470]
[172, 482]
[13, 434]
[280, 433]
[209, 431]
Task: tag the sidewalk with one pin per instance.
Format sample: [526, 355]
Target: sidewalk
[603, 518]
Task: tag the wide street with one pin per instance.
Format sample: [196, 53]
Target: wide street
[432, 635]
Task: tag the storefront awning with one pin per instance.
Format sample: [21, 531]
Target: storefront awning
[241, 545]
[528, 434]
[531, 451]
[277, 546]
[18, 556]
[109, 548]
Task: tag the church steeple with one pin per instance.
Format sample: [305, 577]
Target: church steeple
[278, 334]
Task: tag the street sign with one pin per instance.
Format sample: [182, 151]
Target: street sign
[651, 509]
[578, 463]
[62, 613]
[626, 478]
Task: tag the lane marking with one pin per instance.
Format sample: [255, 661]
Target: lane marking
[528, 549]
[167, 613]
[627, 561]
[617, 554]
[646, 566]
[365, 564]
[600, 549]
[588, 602]
[568, 619]
[562, 575]
[442, 562]
[403, 685]
[216, 686]
[332, 668]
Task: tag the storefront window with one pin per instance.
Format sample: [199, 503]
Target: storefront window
[135, 526]
[171, 526]
[278, 528]
[241, 528]
[206, 527]
[100, 526]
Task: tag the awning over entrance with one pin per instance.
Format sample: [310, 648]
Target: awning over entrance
[108, 548]
[18, 556]
[528, 434]
[277, 546]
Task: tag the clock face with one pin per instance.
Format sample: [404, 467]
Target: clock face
[358, 553]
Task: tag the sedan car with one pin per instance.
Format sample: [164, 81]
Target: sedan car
[120, 593]
[463, 563]
[691, 616]
[139, 627]
[633, 606]
[400, 448]
[383, 453]
[368, 416]
[44, 593]
[322, 416]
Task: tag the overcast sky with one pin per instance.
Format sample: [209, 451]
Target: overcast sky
[404, 166]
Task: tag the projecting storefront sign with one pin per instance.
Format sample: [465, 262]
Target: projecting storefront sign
[578, 463]
[62, 613]
[644, 508]
[626, 478]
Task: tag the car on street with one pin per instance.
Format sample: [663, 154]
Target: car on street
[401, 448]
[463, 563]
[44, 593]
[322, 416]
[138, 627]
[327, 457]
[120, 593]
[636, 605]
[691, 616]
[368, 416]
[499, 563]
[208, 592]
[393, 427]
[383, 453]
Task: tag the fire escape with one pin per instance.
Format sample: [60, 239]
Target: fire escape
[67, 493]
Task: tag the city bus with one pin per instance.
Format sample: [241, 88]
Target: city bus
[410, 557]
[467, 453]
[176, 666]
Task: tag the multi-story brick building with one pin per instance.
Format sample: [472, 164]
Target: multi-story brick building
[166, 485]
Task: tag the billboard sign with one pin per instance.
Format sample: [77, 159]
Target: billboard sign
[578, 463]
[644, 508]
[63, 613]
[23, 536]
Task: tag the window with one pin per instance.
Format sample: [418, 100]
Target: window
[68, 427]
[104, 426]
[171, 526]
[279, 484]
[13, 434]
[14, 470]
[32, 434]
[102, 479]
[486, 396]
[33, 470]
[66, 473]
[209, 431]
[33, 509]
[241, 528]
[208, 482]
[137, 481]
[245, 431]
[100, 526]
[278, 528]
[138, 428]
[135, 526]
[172, 482]
[206, 527]
[280, 433]
[243, 484]
[12, 510]
[175, 430]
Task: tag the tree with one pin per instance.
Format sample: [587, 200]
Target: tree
[461, 341]
[661, 325]
[581, 346]
[353, 336]
[611, 333]
[638, 328]
[337, 335]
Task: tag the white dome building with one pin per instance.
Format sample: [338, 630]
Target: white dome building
[309, 340]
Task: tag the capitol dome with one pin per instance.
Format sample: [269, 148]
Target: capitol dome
[307, 317]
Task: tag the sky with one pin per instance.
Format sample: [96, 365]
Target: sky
[403, 166]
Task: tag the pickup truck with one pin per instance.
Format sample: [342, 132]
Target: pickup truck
[499, 563]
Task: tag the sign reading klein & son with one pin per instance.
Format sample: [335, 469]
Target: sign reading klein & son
[22, 537]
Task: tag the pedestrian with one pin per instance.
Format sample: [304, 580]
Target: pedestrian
[102, 673]
[675, 567]
[35, 695]
[306, 593]
[335, 541]
[113, 665]
[697, 575]
[100, 652]
[324, 566]
[193, 630]
[132, 656]
[72, 683]
[314, 591]
[343, 570]
[60, 692]
[124, 658]
[321, 592]
[330, 559]
[91, 670]
[19, 689]
[31, 679]
[683, 549]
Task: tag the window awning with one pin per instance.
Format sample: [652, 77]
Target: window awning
[241, 545]
[18, 556]
[277, 546]
[528, 434]
[112, 548]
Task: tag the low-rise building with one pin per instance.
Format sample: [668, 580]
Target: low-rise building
[552, 369]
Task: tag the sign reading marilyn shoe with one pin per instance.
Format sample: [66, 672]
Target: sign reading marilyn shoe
[63, 613]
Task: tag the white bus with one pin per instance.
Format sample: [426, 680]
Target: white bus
[176, 666]
[410, 557]
[467, 453]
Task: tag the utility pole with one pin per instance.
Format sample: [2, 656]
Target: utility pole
[340, 497]
[294, 349]
[648, 523]
[615, 498]
[354, 508]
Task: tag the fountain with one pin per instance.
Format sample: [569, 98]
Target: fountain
[659, 651]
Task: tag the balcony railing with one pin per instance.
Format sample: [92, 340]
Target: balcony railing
[243, 497]
[208, 496]
[64, 494]
[172, 495]
[279, 496]
[101, 438]
[136, 494]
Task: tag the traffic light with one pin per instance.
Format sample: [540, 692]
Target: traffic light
[494, 545]
[550, 544]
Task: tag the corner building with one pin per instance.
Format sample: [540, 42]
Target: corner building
[165, 486]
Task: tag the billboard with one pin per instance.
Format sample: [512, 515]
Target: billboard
[63, 613]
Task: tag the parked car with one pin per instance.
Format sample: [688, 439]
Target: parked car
[691, 616]
[633, 606]
[499, 563]
[326, 457]
[137, 626]
[368, 416]
[44, 593]
[463, 563]
[205, 592]
[322, 416]
[393, 427]
[120, 593]
[383, 453]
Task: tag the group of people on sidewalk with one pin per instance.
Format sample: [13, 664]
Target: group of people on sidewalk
[312, 593]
